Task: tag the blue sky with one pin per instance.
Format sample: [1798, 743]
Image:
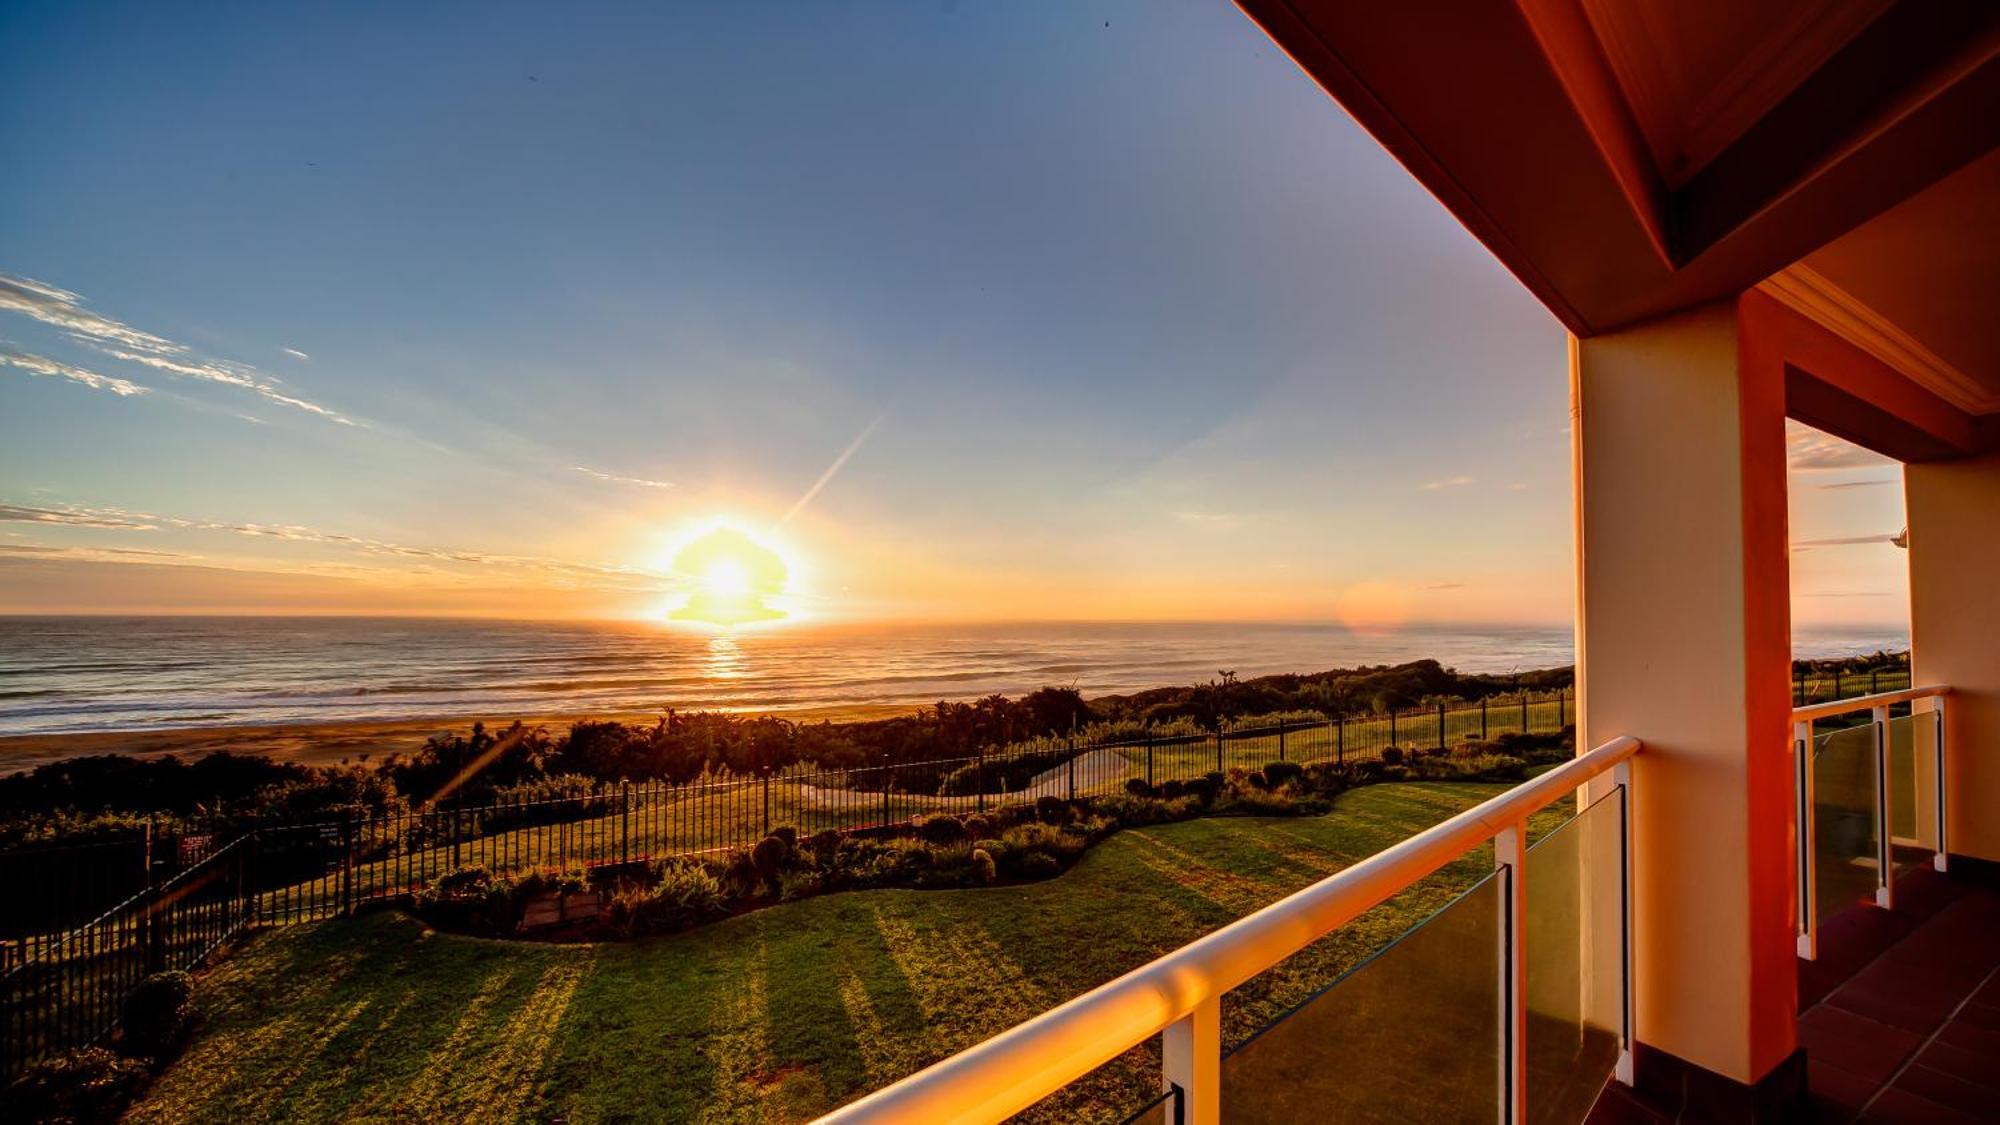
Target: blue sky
[488, 305]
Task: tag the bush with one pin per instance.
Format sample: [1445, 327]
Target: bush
[1278, 774]
[1051, 810]
[1172, 789]
[155, 1019]
[943, 830]
[983, 867]
[1138, 787]
[788, 834]
[85, 1086]
[768, 857]
[1038, 865]
[686, 895]
[824, 843]
[978, 825]
[1392, 755]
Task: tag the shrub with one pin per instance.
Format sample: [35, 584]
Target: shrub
[686, 895]
[1205, 788]
[739, 874]
[85, 1086]
[824, 843]
[1283, 773]
[1172, 788]
[983, 867]
[1392, 755]
[788, 834]
[154, 1018]
[1255, 779]
[793, 885]
[978, 825]
[942, 830]
[768, 857]
[1051, 810]
[1038, 865]
[1259, 803]
[1138, 787]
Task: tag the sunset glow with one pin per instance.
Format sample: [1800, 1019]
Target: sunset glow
[733, 575]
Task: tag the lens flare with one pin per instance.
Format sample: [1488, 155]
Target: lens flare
[732, 576]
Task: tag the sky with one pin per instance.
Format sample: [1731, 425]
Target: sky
[1070, 310]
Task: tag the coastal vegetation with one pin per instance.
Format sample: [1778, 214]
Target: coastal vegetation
[108, 795]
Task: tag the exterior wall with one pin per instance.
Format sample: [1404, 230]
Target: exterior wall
[1954, 511]
[1683, 641]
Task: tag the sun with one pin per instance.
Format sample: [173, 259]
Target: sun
[732, 575]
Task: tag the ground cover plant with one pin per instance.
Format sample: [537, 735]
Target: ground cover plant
[777, 1014]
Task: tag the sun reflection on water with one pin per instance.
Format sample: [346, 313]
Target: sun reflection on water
[725, 658]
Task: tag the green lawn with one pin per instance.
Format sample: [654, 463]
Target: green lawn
[776, 1015]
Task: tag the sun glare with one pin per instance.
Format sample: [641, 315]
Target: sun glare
[732, 577]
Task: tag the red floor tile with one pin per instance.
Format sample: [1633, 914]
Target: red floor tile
[1944, 1089]
[1861, 1046]
[1840, 1091]
[1900, 1107]
[1961, 1064]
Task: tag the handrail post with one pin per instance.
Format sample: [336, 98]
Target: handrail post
[1885, 845]
[1510, 852]
[1191, 1058]
[1940, 861]
[1808, 876]
[1622, 1070]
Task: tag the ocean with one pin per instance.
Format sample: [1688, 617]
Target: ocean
[87, 674]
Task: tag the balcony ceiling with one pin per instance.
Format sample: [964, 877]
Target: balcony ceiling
[1627, 158]
[1630, 158]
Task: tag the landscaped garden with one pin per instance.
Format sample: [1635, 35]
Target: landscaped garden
[776, 1014]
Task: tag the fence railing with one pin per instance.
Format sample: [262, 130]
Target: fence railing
[1513, 1001]
[1869, 784]
[70, 994]
[332, 865]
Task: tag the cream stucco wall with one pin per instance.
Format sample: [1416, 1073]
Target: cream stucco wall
[1954, 513]
[1683, 641]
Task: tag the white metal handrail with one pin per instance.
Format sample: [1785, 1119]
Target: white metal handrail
[1878, 705]
[1179, 995]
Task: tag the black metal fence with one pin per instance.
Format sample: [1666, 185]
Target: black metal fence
[86, 922]
[69, 994]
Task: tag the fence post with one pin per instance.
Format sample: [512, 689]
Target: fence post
[1069, 745]
[347, 859]
[767, 800]
[457, 826]
[1441, 739]
[1524, 712]
[1837, 693]
[1218, 749]
[979, 776]
[885, 790]
[1874, 681]
[624, 823]
[1149, 756]
[1392, 726]
[1562, 708]
[1340, 740]
[1482, 718]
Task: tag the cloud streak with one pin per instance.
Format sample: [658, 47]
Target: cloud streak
[63, 309]
[614, 478]
[1449, 482]
[39, 365]
[1808, 450]
[560, 570]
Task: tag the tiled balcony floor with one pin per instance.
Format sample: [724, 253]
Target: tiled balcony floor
[1899, 1016]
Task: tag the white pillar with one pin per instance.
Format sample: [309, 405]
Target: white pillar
[1683, 640]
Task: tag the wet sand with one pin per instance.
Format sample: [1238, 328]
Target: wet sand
[327, 743]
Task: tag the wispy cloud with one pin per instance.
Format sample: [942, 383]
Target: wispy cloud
[296, 354]
[1848, 541]
[39, 365]
[1854, 484]
[120, 519]
[109, 519]
[1446, 586]
[614, 478]
[1808, 450]
[1449, 482]
[65, 310]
